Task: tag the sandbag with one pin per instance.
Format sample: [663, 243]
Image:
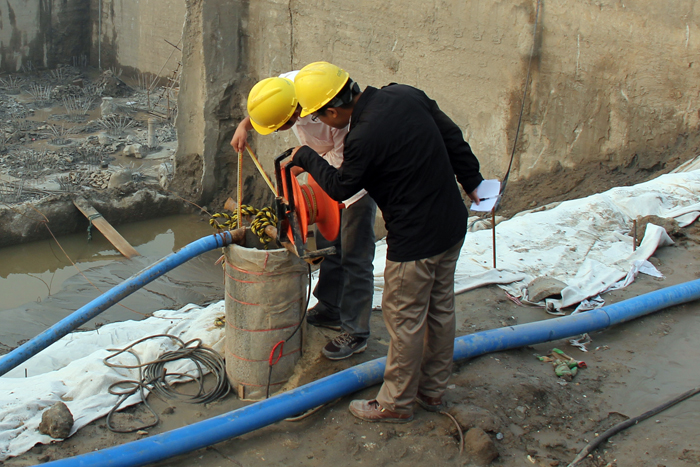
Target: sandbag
[265, 300]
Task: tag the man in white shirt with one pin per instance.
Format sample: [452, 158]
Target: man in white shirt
[346, 280]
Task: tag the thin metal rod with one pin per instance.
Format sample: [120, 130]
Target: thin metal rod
[634, 235]
[240, 188]
[493, 234]
[178, 48]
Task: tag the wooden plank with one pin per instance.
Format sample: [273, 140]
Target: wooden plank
[105, 227]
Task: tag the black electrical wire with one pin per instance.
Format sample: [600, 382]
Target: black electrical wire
[590, 447]
[301, 321]
[154, 377]
[522, 109]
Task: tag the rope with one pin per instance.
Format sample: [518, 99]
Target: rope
[459, 430]
[262, 218]
[266, 216]
[154, 377]
[92, 217]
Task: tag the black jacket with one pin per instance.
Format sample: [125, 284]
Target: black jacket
[405, 152]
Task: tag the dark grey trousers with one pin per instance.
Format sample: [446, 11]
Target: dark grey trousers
[346, 280]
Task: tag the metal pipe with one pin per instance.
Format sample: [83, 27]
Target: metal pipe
[260, 414]
[114, 295]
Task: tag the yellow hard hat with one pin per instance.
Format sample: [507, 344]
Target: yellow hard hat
[317, 83]
[271, 103]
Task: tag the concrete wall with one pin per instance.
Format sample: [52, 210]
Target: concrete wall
[211, 102]
[134, 34]
[612, 83]
[42, 33]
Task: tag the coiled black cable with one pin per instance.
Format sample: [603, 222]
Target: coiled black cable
[154, 377]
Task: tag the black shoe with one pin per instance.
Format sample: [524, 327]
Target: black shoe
[318, 317]
[343, 346]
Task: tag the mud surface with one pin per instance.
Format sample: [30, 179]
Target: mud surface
[589, 178]
[542, 420]
[40, 285]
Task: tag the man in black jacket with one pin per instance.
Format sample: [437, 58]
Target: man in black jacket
[405, 152]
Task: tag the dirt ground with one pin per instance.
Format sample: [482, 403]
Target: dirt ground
[532, 416]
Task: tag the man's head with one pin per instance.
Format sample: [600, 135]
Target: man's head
[273, 105]
[326, 92]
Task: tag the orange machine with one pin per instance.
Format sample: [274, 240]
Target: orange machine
[299, 206]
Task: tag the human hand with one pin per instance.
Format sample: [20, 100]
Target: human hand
[294, 169]
[474, 197]
[240, 139]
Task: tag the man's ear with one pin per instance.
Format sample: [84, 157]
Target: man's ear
[332, 112]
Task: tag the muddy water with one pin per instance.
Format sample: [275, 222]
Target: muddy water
[39, 285]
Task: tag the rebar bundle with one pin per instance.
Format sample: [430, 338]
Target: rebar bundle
[11, 84]
[78, 106]
[11, 192]
[116, 125]
[33, 160]
[143, 81]
[116, 72]
[67, 183]
[59, 74]
[4, 139]
[40, 93]
[92, 156]
[21, 124]
[80, 61]
[93, 91]
[28, 67]
[60, 134]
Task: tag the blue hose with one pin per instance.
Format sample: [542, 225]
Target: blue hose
[238, 422]
[106, 300]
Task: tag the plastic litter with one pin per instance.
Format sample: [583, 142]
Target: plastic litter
[565, 367]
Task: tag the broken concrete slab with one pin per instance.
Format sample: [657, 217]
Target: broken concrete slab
[135, 150]
[544, 287]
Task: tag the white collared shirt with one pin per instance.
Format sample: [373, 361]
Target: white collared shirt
[327, 141]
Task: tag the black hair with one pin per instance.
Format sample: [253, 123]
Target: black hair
[344, 97]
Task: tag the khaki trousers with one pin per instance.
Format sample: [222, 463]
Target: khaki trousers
[419, 312]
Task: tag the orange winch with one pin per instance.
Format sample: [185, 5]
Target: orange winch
[299, 206]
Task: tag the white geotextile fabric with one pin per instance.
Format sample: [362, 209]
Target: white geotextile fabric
[585, 243]
[71, 370]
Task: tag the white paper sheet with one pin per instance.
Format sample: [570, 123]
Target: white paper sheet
[488, 192]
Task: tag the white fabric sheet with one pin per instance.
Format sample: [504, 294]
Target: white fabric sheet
[71, 370]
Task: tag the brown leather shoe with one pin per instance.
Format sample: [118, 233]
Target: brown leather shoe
[371, 411]
[431, 404]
